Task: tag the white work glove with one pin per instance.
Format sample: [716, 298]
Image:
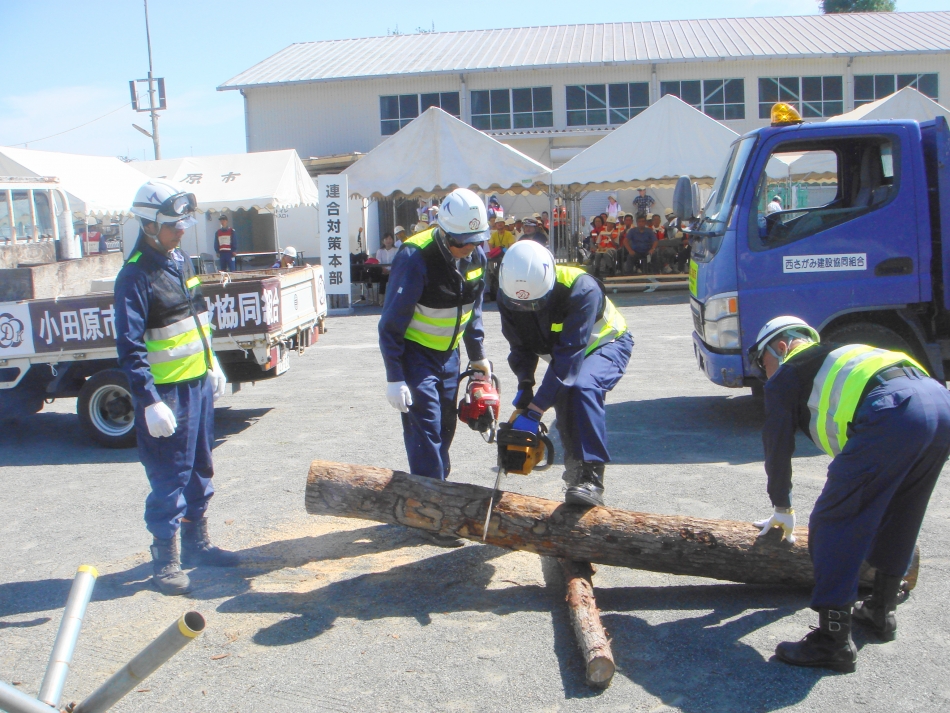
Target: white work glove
[160, 420]
[483, 365]
[399, 396]
[784, 520]
[218, 379]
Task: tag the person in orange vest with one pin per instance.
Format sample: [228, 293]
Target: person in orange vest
[224, 244]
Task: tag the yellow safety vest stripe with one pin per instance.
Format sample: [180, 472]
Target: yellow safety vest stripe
[185, 369]
[837, 389]
[474, 274]
[192, 282]
[134, 257]
[420, 240]
[606, 329]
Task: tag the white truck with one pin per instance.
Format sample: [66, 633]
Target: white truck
[57, 328]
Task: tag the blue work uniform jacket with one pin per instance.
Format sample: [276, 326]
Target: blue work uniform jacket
[408, 279]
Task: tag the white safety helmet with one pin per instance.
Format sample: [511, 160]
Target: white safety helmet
[796, 328]
[161, 201]
[463, 217]
[527, 276]
[290, 251]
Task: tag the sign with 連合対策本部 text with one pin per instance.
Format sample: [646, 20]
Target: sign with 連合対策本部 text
[334, 233]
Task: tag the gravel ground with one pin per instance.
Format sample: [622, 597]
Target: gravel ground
[346, 615]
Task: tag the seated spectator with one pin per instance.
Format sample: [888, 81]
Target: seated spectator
[639, 245]
[545, 221]
[666, 248]
[682, 254]
[423, 224]
[672, 225]
[605, 249]
[532, 231]
[627, 221]
[500, 236]
[518, 229]
[385, 255]
[657, 226]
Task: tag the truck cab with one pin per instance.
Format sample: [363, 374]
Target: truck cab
[856, 244]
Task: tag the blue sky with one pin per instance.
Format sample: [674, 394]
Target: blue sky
[67, 63]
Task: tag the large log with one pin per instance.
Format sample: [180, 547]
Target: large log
[585, 618]
[718, 549]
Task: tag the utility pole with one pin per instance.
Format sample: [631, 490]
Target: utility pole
[151, 91]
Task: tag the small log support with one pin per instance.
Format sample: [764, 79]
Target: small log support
[585, 619]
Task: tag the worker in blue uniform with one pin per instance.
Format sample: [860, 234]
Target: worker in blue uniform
[562, 314]
[433, 302]
[886, 424]
[163, 336]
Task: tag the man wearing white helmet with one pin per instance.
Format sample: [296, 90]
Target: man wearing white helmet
[563, 314]
[433, 302]
[286, 259]
[886, 424]
[164, 344]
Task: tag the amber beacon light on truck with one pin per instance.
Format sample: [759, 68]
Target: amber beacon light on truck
[785, 115]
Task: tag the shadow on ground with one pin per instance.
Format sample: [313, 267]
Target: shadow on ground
[689, 429]
[58, 439]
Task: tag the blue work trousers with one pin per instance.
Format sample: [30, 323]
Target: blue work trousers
[429, 427]
[878, 487]
[179, 467]
[581, 416]
[226, 257]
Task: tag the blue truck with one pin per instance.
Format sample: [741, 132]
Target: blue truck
[844, 224]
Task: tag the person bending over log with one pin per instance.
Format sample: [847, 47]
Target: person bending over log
[886, 423]
[561, 313]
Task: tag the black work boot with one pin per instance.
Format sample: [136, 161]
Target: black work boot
[878, 612]
[196, 547]
[828, 646]
[590, 490]
[166, 569]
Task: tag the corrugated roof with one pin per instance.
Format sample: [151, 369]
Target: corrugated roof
[614, 43]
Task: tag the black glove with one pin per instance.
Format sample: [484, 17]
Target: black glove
[524, 396]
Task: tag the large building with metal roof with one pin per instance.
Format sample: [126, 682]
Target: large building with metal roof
[552, 91]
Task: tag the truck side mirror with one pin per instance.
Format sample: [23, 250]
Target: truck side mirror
[683, 198]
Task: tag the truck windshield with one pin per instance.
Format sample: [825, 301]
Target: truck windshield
[719, 206]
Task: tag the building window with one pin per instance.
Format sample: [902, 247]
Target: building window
[446, 101]
[625, 101]
[587, 105]
[397, 111]
[718, 98]
[526, 108]
[532, 108]
[871, 87]
[813, 97]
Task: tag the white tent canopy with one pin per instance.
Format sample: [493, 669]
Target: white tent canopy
[95, 185]
[436, 153]
[907, 103]
[667, 140]
[265, 180]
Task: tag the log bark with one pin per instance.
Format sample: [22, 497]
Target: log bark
[718, 549]
[585, 618]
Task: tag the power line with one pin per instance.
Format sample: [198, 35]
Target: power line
[24, 143]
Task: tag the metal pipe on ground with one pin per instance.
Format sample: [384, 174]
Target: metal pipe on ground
[62, 654]
[170, 642]
[13, 700]
[648, 287]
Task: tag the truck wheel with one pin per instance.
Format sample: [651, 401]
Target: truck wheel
[105, 409]
[871, 334]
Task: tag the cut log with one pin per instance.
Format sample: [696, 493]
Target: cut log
[585, 618]
[718, 549]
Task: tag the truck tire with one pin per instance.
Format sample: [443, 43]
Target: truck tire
[874, 335]
[105, 409]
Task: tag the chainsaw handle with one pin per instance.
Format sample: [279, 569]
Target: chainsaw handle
[548, 453]
[469, 373]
